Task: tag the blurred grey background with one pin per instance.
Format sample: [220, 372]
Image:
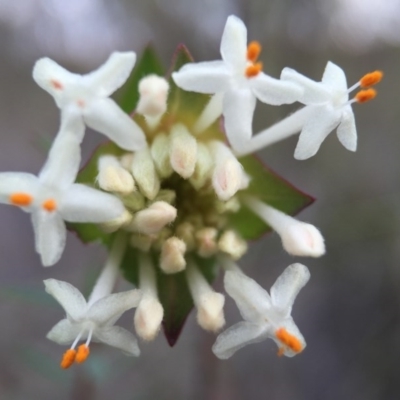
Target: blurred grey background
[349, 312]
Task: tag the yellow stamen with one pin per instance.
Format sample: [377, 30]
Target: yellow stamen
[68, 358]
[253, 51]
[289, 340]
[371, 79]
[49, 205]
[254, 69]
[21, 199]
[365, 95]
[83, 354]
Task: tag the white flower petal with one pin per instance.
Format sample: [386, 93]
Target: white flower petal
[69, 297]
[288, 285]
[17, 182]
[346, 131]
[238, 110]
[203, 77]
[112, 74]
[118, 337]
[53, 78]
[316, 129]
[104, 115]
[62, 164]
[238, 336]
[252, 300]
[64, 332]
[234, 43]
[108, 309]
[50, 235]
[274, 91]
[85, 204]
[334, 77]
[313, 92]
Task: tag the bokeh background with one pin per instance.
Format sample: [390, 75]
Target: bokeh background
[349, 312]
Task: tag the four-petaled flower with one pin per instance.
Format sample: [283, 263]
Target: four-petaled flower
[84, 98]
[238, 80]
[91, 321]
[266, 316]
[329, 107]
[52, 197]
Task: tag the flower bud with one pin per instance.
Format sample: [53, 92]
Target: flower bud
[123, 220]
[232, 244]
[160, 153]
[141, 242]
[185, 231]
[210, 311]
[203, 168]
[148, 317]
[206, 239]
[113, 177]
[153, 91]
[172, 259]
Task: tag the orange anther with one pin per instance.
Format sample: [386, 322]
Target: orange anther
[83, 353]
[49, 205]
[289, 340]
[281, 351]
[56, 84]
[371, 79]
[254, 69]
[253, 51]
[21, 199]
[365, 95]
[68, 358]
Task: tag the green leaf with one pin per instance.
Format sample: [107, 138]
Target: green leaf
[149, 63]
[272, 189]
[173, 290]
[188, 104]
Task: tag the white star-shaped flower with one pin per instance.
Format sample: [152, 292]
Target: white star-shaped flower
[52, 197]
[238, 79]
[86, 97]
[330, 107]
[91, 321]
[265, 316]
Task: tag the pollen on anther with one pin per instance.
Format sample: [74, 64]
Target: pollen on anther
[56, 84]
[365, 95]
[68, 358]
[82, 354]
[289, 340]
[21, 199]
[254, 69]
[371, 79]
[49, 205]
[253, 51]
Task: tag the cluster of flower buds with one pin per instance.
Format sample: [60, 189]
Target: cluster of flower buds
[173, 188]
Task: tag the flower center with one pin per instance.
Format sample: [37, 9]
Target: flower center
[254, 67]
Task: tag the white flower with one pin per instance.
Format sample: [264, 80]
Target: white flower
[237, 80]
[86, 97]
[266, 316]
[53, 198]
[330, 107]
[91, 321]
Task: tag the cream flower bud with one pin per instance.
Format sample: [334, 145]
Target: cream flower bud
[172, 259]
[183, 151]
[153, 92]
[206, 239]
[227, 176]
[126, 161]
[203, 168]
[141, 242]
[298, 238]
[152, 219]
[160, 152]
[232, 244]
[149, 314]
[185, 231]
[113, 177]
[209, 304]
[148, 317]
[145, 174]
[123, 220]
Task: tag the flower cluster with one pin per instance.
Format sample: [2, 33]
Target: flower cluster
[173, 200]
